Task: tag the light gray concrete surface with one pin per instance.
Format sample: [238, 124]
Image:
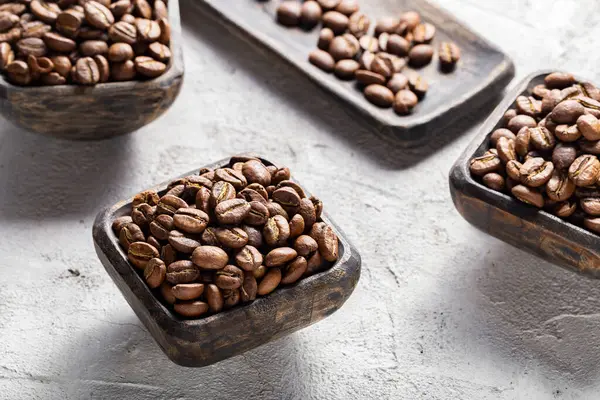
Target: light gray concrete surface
[441, 311]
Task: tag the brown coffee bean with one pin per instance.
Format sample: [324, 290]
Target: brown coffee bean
[559, 80]
[369, 78]
[589, 126]
[326, 35]
[494, 181]
[191, 309]
[322, 60]
[366, 60]
[210, 257]
[259, 195]
[270, 281]
[539, 91]
[508, 115]
[130, 233]
[258, 213]
[584, 170]
[423, 33]
[567, 133]
[383, 66]
[501, 132]
[119, 52]
[420, 55]
[345, 69]
[222, 191]
[182, 271]
[536, 172]
[276, 231]
[203, 199]
[369, 43]
[120, 222]
[91, 48]
[335, 21]
[254, 236]
[305, 245]
[188, 291]
[379, 95]
[520, 121]
[315, 264]
[214, 298]
[155, 273]
[182, 243]
[591, 206]
[166, 291]
[143, 214]
[140, 253]
[59, 43]
[159, 52]
[506, 149]
[289, 13]
[235, 178]
[248, 289]
[169, 204]
[98, 15]
[418, 85]
[120, 8]
[87, 71]
[560, 187]
[311, 14]
[229, 278]
[328, 4]
[249, 258]
[149, 67]
[8, 21]
[542, 138]
[513, 169]
[231, 298]
[45, 11]
[13, 8]
[397, 83]
[551, 100]
[7, 55]
[587, 146]
[563, 156]
[347, 7]
[123, 32]
[449, 54]
[294, 270]
[405, 101]
[190, 220]
[255, 172]
[232, 212]
[233, 238]
[209, 237]
[147, 196]
[286, 196]
[165, 31]
[528, 106]
[161, 226]
[564, 209]
[386, 25]
[68, 22]
[124, 71]
[344, 47]
[328, 243]
[260, 272]
[567, 112]
[31, 46]
[528, 195]
[358, 24]
[277, 209]
[484, 164]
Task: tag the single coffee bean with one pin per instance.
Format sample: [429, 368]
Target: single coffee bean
[68, 22]
[563, 156]
[249, 194]
[130, 233]
[369, 78]
[328, 4]
[565, 209]
[592, 224]
[386, 25]
[294, 270]
[379, 95]
[90, 48]
[276, 209]
[398, 63]
[232, 212]
[123, 32]
[559, 80]
[289, 13]
[494, 181]
[589, 126]
[567, 133]
[513, 169]
[214, 298]
[143, 214]
[484, 164]
[501, 132]
[347, 7]
[260, 272]
[358, 24]
[87, 71]
[149, 67]
[420, 55]
[155, 273]
[258, 214]
[191, 309]
[591, 206]
[296, 225]
[305, 245]
[152, 241]
[233, 238]
[248, 289]
[567, 112]
[539, 91]
[182, 271]
[182, 243]
[203, 199]
[587, 146]
[276, 231]
[418, 85]
[344, 47]
[159, 52]
[326, 36]
[124, 71]
[161, 226]
[383, 66]
[235, 178]
[120, 222]
[369, 43]
[166, 291]
[209, 237]
[165, 31]
[508, 115]
[45, 11]
[190, 220]
[345, 69]
[336, 21]
[169, 204]
[229, 278]
[518, 122]
[13, 8]
[311, 14]
[31, 46]
[231, 298]
[8, 21]
[188, 291]
[528, 195]
[423, 33]
[286, 196]
[98, 15]
[366, 60]
[221, 191]
[7, 55]
[315, 264]
[270, 281]
[120, 7]
[248, 258]
[542, 138]
[551, 100]
[584, 170]
[255, 237]
[396, 45]
[147, 196]
[536, 172]
[12, 36]
[528, 106]
[119, 52]
[328, 243]
[140, 253]
[560, 187]
[405, 101]
[142, 9]
[449, 54]
[506, 149]
[322, 60]
[255, 172]
[397, 82]
[59, 43]
[34, 29]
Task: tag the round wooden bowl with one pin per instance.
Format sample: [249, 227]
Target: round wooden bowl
[96, 112]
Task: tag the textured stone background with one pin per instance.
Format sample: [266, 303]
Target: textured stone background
[441, 311]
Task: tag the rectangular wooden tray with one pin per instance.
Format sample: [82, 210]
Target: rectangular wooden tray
[523, 226]
[482, 72]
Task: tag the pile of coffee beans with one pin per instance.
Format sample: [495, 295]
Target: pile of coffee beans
[546, 152]
[225, 236]
[84, 42]
[352, 47]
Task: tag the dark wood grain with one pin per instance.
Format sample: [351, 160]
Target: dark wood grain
[197, 343]
[482, 72]
[97, 112]
[508, 219]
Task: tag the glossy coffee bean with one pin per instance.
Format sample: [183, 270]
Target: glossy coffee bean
[516, 123]
[528, 106]
[589, 126]
[369, 78]
[567, 112]
[140, 253]
[182, 243]
[249, 288]
[484, 164]
[129, 234]
[345, 69]
[501, 132]
[563, 156]
[280, 256]
[169, 204]
[335, 21]
[584, 171]
[210, 257]
[494, 181]
[567, 133]
[235, 178]
[232, 238]
[255, 237]
[143, 214]
[276, 231]
[326, 36]
[405, 101]
[379, 95]
[591, 206]
[229, 278]
[258, 214]
[297, 225]
[188, 291]
[449, 55]
[311, 13]
[294, 270]
[513, 169]
[232, 212]
[528, 195]
[289, 13]
[397, 82]
[269, 282]
[559, 80]
[167, 293]
[155, 273]
[344, 47]
[536, 172]
[305, 245]
[191, 309]
[255, 172]
[120, 222]
[420, 55]
[214, 298]
[190, 220]
[506, 149]
[560, 187]
[248, 258]
[542, 138]
[182, 271]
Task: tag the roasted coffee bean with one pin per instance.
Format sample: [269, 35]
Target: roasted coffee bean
[143, 214]
[123, 71]
[123, 32]
[592, 224]
[130, 233]
[203, 199]
[567, 112]
[405, 101]
[520, 121]
[221, 191]
[209, 237]
[584, 170]
[155, 273]
[591, 206]
[328, 4]
[235, 178]
[501, 132]
[249, 288]
[210, 257]
[166, 291]
[152, 241]
[169, 204]
[551, 100]
[142, 9]
[513, 169]
[420, 55]
[258, 214]
[508, 115]
[121, 7]
[159, 52]
[147, 196]
[233, 238]
[232, 212]
[254, 192]
[344, 47]
[366, 59]
[560, 187]
[260, 272]
[45, 11]
[231, 298]
[68, 22]
[506, 149]
[305, 245]
[286, 196]
[120, 222]
[188, 291]
[294, 270]
[91, 48]
[59, 43]
[229, 278]
[140, 253]
[565, 209]
[98, 15]
[165, 31]
[190, 220]
[308, 212]
[369, 78]
[347, 7]
[311, 14]
[315, 263]
[563, 156]
[255, 237]
[379, 95]
[423, 33]
[255, 172]
[590, 147]
[528, 106]
[8, 21]
[249, 258]
[39, 66]
[7, 55]
[387, 25]
[182, 271]
[31, 46]
[277, 209]
[322, 60]
[494, 181]
[589, 126]
[483, 164]
[148, 67]
[289, 13]
[542, 138]
[176, 191]
[449, 54]
[328, 243]
[369, 43]
[214, 298]
[326, 36]
[335, 21]
[269, 282]
[87, 71]
[191, 309]
[296, 226]
[383, 66]
[539, 91]
[358, 24]
[182, 243]
[345, 69]
[559, 80]
[397, 83]
[276, 231]
[528, 195]
[418, 85]
[396, 45]
[567, 133]
[536, 172]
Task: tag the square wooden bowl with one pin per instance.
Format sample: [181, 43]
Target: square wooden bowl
[536, 231]
[201, 342]
[96, 112]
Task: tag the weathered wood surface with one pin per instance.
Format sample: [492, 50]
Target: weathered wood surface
[97, 112]
[201, 342]
[482, 73]
[508, 219]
